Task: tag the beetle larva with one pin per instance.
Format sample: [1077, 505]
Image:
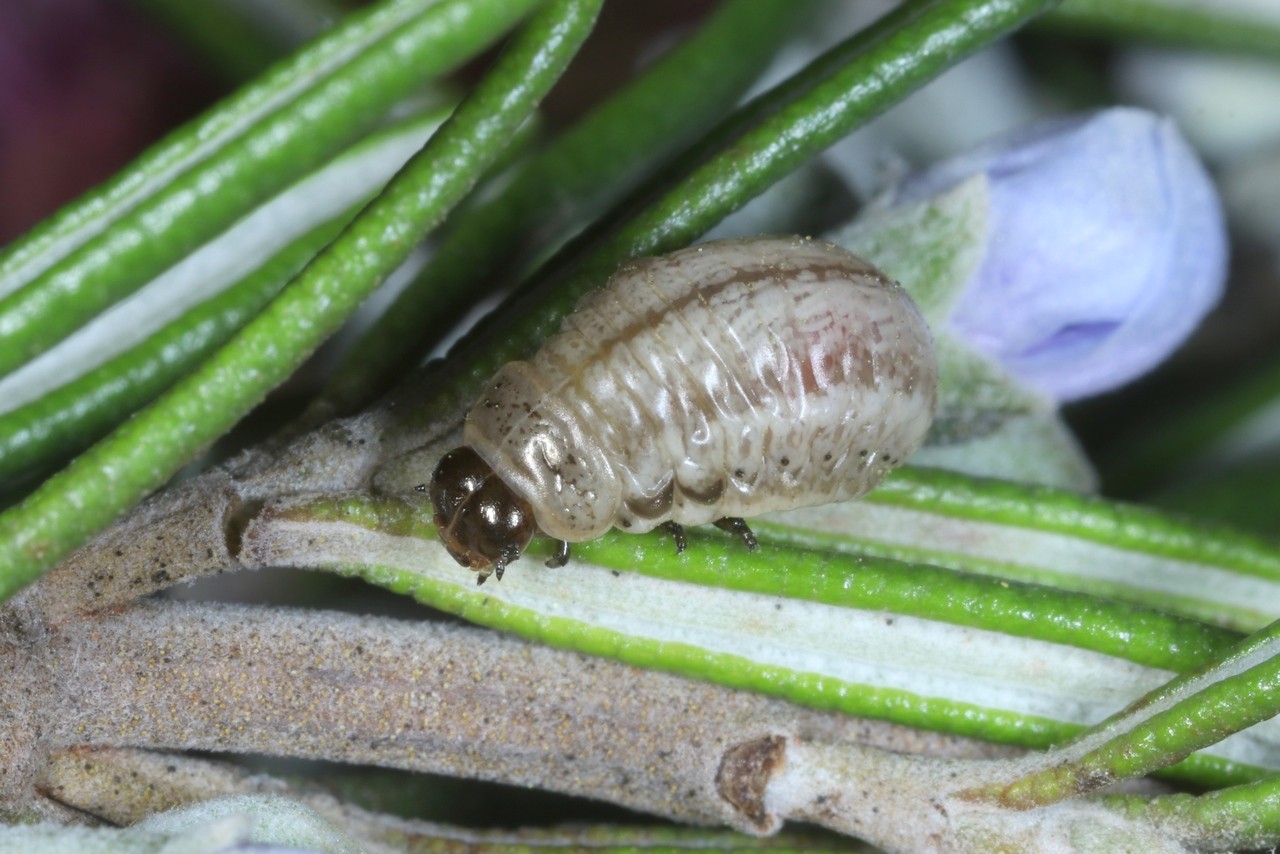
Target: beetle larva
[725, 380]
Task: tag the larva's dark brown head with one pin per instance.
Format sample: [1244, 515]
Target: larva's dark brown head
[482, 523]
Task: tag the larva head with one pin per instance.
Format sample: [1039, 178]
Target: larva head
[482, 523]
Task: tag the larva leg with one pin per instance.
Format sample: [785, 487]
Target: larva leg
[677, 533]
[561, 557]
[736, 525]
[509, 553]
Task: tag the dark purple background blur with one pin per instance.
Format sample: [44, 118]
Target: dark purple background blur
[84, 86]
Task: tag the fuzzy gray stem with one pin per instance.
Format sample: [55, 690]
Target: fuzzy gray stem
[418, 696]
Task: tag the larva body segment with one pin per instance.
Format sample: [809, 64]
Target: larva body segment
[724, 380]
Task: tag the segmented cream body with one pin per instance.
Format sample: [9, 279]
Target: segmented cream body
[728, 379]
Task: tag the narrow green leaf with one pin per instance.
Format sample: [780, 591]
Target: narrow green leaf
[189, 190]
[884, 69]
[1239, 818]
[1078, 542]
[79, 221]
[592, 162]
[124, 359]
[137, 458]
[1085, 516]
[1189, 713]
[1179, 24]
[71, 418]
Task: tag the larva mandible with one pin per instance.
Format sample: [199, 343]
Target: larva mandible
[721, 381]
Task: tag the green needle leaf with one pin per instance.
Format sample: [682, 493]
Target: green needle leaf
[1191, 712]
[139, 457]
[1178, 24]
[1239, 818]
[211, 173]
[124, 359]
[885, 68]
[590, 163]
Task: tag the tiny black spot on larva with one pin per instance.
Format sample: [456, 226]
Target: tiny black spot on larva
[643, 454]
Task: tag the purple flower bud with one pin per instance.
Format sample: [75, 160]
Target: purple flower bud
[1105, 248]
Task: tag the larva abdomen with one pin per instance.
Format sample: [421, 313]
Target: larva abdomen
[728, 379]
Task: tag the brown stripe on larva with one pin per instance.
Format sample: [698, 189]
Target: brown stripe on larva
[716, 381]
[712, 289]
